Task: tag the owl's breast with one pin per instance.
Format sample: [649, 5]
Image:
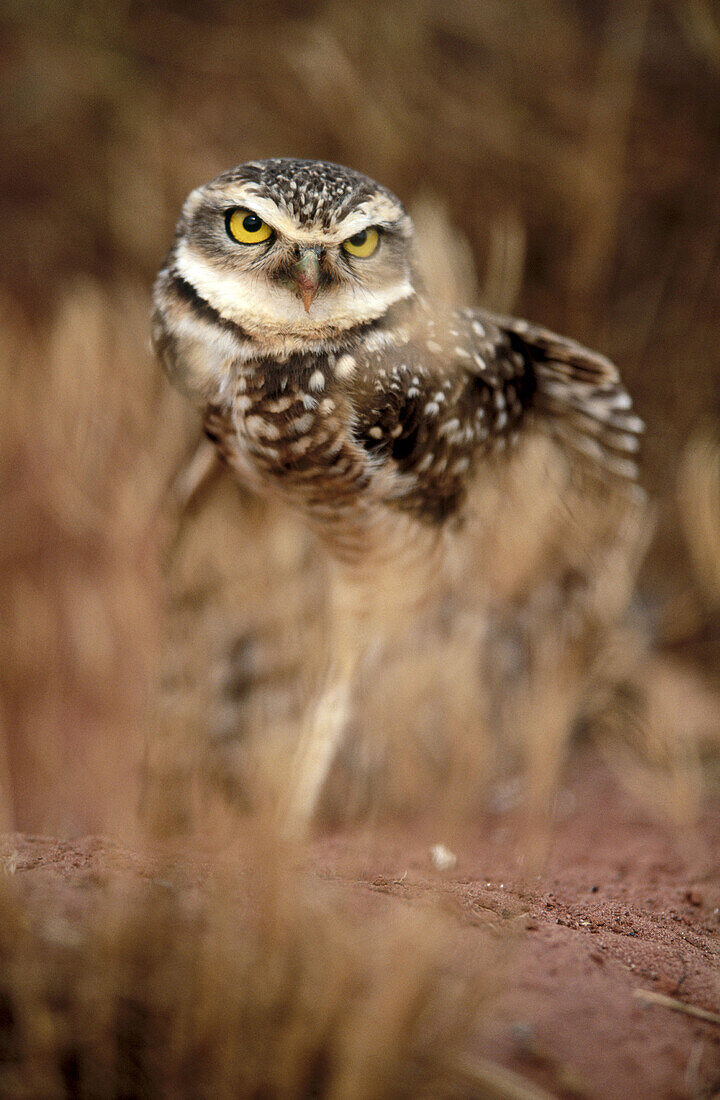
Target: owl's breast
[291, 435]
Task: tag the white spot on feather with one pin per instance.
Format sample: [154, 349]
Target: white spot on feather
[300, 446]
[303, 423]
[345, 366]
[449, 426]
[257, 425]
[280, 404]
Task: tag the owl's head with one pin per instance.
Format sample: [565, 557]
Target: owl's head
[295, 248]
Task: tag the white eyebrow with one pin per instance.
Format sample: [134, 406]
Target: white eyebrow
[378, 211]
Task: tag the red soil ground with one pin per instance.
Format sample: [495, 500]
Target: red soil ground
[624, 904]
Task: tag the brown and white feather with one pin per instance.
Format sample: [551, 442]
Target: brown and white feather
[371, 406]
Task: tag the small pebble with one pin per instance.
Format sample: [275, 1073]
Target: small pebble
[442, 858]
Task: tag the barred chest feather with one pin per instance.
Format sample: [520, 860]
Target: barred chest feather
[337, 434]
[285, 430]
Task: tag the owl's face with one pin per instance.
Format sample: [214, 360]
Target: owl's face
[292, 249]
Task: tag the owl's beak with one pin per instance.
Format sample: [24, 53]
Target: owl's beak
[305, 274]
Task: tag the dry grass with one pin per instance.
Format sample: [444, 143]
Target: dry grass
[149, 657]
[564, 183]
[247, 982]
[90, 438]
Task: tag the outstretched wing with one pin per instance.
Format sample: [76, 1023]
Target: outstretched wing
[575, 394]
[458, 396]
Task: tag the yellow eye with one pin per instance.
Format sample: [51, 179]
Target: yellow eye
[363, 243]
[246, 228]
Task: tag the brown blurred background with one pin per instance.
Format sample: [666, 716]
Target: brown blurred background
[574, 145]
[590, 130]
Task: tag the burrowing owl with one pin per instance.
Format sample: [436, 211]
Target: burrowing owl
[290, 309]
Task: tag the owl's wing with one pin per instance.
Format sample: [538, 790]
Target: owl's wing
[451, 399]
[575, 394]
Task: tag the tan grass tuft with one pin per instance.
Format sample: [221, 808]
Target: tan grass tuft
[247, 984]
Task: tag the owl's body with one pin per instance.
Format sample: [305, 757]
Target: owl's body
[384, 425]
[291, 311]
[368, 404]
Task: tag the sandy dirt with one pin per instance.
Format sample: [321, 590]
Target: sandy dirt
[624, 904]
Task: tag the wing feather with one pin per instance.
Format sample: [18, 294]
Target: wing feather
[578, 396]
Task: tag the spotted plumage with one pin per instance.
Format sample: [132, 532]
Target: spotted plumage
[291, 311]
[327, 378]
[309, 190]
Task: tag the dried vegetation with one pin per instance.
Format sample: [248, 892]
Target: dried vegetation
[159, 658]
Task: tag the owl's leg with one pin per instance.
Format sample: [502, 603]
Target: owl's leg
[366, 599]
[195, 473]
[322, 728]
[350, 628]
